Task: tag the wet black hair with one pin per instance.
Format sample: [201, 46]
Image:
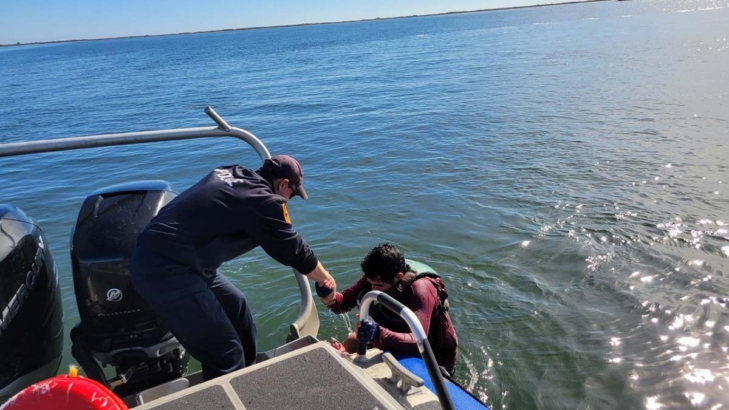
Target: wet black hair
[384, 262]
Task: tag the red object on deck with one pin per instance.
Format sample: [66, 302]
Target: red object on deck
[65, 393]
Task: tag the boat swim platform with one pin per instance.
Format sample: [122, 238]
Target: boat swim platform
[314, 377]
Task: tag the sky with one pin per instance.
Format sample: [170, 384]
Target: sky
[28, 21]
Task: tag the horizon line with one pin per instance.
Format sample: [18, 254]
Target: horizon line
[182, 33]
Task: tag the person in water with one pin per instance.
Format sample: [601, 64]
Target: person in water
[231, 211]
[425, 294]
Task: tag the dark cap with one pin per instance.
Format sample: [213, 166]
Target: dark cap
[286, 167]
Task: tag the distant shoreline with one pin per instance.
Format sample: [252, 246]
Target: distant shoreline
[300, 25]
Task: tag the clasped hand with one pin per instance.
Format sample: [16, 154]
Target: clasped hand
[327, 291]
[367, 332]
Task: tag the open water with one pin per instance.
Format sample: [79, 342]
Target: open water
[565, 168]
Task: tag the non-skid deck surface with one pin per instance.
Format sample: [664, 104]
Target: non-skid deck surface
[312, 380]
[213, 397]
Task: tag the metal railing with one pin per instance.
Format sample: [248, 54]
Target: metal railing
[307, 321]
[426, 351]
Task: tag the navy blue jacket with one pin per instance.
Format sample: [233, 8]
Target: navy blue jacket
[226, 214]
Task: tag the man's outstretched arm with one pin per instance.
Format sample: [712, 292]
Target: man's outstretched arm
[325, 282]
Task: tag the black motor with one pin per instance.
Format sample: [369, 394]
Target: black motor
[117, 326]
[31, 314]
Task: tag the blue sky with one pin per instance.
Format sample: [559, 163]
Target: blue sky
[28, 21]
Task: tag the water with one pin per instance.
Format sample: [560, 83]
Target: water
[565, 168]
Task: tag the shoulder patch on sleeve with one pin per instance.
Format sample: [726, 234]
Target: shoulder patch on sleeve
[285, 213]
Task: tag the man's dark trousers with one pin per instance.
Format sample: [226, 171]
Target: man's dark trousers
[207, 314]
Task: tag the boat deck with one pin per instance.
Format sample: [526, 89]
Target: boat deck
[311, 378]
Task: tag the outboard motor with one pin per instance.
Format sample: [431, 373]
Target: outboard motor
[117, 326]
[31, 314]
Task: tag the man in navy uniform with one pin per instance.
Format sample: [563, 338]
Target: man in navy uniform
[229, 212]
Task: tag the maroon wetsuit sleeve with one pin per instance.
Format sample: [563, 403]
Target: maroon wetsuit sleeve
[422, 301]
[347, 299]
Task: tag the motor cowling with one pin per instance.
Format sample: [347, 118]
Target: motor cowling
[31, 312]
[118, 327]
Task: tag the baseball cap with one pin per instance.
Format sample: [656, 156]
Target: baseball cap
[286, 167]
